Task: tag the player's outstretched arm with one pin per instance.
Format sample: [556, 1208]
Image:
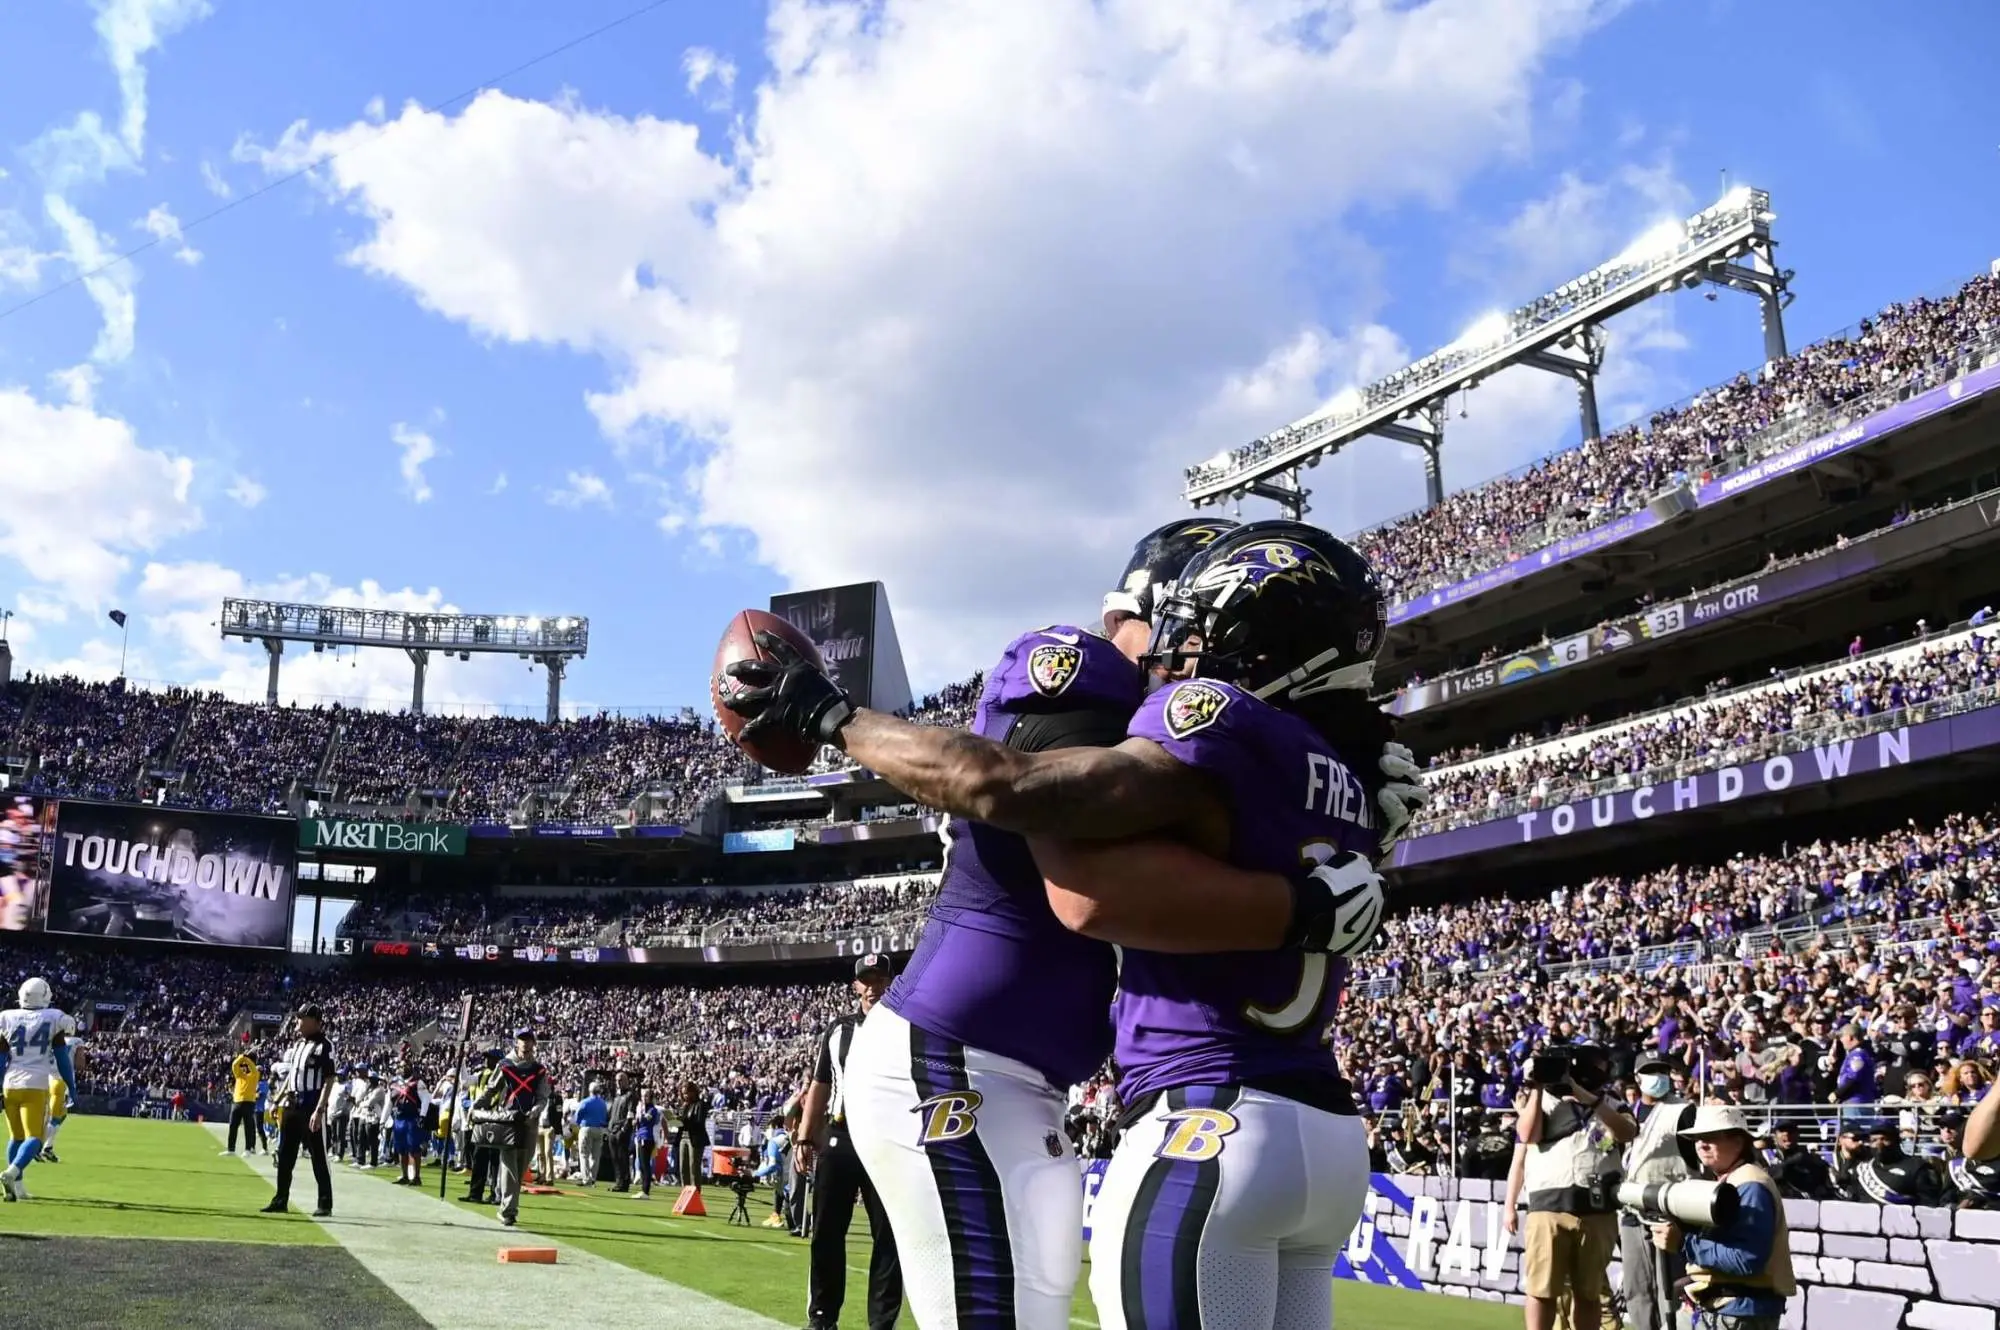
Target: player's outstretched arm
[1066, 793]
[1157, 895]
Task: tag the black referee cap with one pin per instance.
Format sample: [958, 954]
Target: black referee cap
[871, 964]
[310, 1010]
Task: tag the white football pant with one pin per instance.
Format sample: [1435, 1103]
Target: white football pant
[1225, 1207]
[967, 1153]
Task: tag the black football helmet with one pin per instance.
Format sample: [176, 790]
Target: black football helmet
[1280, 609]
[1157, 561]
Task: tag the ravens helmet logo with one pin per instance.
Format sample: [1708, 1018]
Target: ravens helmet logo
[1265, 561]
[1193, 705]
[1053, 666]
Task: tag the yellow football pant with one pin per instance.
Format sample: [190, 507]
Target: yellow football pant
[27, 1113]
[58, 1099]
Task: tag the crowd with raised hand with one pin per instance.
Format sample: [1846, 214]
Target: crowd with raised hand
[1706, 733]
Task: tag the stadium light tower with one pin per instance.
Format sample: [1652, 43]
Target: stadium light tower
[1728, 244]
[550, 643]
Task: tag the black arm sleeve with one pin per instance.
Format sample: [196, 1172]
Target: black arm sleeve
[823, 1067]
[1045, 731]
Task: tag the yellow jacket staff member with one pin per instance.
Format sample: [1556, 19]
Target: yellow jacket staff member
[243, 1111]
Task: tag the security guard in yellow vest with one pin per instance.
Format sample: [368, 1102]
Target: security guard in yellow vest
[1739, 1275]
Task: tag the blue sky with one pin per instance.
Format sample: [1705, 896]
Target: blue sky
[737, 298]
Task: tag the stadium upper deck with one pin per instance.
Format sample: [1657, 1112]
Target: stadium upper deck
[1889, 408]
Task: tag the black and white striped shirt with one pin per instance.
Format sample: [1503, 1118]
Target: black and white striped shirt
[308, 1065]
[831, 1068]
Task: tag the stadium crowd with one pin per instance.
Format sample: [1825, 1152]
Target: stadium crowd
[1775, 968]
[1748, 723]
[191, 749]
[639, 919]
[1908, 346]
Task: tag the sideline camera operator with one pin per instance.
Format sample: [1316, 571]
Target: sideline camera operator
[1740, 1272]
[1566, 1159]
[1657, 1155]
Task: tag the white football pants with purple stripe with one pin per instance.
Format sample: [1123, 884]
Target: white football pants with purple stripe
[1224, 1207]
[967, 1153]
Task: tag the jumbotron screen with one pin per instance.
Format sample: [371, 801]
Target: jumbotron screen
[133, 870]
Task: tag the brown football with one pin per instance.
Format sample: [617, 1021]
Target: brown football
[787, 753]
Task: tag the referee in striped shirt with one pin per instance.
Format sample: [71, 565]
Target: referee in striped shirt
[838, 1177]
[302, 1099]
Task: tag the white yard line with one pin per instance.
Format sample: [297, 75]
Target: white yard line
[441, 1259]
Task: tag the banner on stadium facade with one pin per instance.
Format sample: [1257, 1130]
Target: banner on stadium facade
[767, 840]
[1655, 623]
[125, 870]
[1900, 416]
[332, 833]
[862, 942]
[841, 623]
[1562, 551]
[1818, 764]
[1785, 461]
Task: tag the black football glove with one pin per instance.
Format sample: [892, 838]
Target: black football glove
[786, 693]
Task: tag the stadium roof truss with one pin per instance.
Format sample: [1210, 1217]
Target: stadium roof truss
[551, 643]
[1728, 244]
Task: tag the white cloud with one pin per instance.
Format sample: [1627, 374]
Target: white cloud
[582, 487]
[247, 492]
[417, 448]
[20, 261]
[949, 299]
[1580, 224]
[77, 384]
[162, 225]
[83, 495]
[214, 182]
[499, 485]
[130, 30]
[702, 67]
[109, 284]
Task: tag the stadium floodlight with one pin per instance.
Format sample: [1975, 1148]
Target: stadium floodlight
[1727, 244]
[552, 644]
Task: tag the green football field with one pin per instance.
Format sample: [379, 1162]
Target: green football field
[148, 1224]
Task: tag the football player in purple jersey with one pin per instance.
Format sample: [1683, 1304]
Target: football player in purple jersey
[1244, 1164]
[955, 1085]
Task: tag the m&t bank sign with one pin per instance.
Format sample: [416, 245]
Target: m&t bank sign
[321, 833]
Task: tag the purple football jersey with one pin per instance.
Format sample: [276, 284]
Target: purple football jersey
[1237, 1017]
[996, 970]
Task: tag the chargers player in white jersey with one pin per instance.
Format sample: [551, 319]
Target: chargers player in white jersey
[37, 1037]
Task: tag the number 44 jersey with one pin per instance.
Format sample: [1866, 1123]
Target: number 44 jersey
[31, 1034]
[1244, 1018]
